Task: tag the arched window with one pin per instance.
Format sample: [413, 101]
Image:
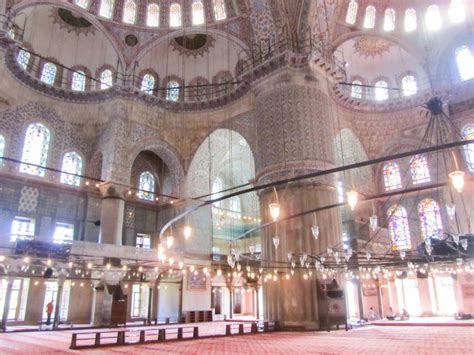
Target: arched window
[468, 134]
[23, 58]
[381, 90]
[351, 14]
[356, 90]
[410, 20]
[398, 227]
[409, 86]
[106, 8]
[217, 187]
[430, 219]
[391, 176]
[153, 15]
[78, 81]
[465, 63]
[2, 147]
[369, 19]
[420, 172]
[457, 12]
[175, 15]
[106, 79]
[146, 186]
[198, 12]
[148, 84]
[49, 73]
[129, 12]
[72, 164]
[433, 18]
[172, 91]
[82, 3]
[389, 20]
[219, 10]
[35, 149]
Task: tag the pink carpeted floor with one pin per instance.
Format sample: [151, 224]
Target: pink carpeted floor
[367, 340]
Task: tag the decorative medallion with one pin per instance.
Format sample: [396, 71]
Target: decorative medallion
[193, 44]
[69, 21]
[131, 40]
[369, 46]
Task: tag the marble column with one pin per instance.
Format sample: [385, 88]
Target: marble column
[59, 296]
[6, 305]
[112, 213]
[295, 133]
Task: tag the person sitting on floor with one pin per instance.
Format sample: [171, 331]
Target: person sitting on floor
[391, 314]
[405, 315]
[373, 315]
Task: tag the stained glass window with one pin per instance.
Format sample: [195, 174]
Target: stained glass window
[106, 8]
[457, 12]
[72, 164]
[420, 172]
[198, 12]
[351, 14]
[465, 63]
[172, 91]
[219, 10]
[369, 19]
[78, 81]
[22, 228]
[2, 147]
[398, 227]
[146, 186]
[23, 59]
[409, 86]
[82, 3]
[356, 90]
[148, 84]
[153, 15]
[430, 219]
[129, 11]
[410, 20]
[468, 134]
[106, 79]
[175, 15]
[433, 18]
[391, 176]
[381, 90]
[49, 73]
[389, 20]
[35, 149]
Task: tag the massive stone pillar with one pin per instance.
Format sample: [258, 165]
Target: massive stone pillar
[295, 136]
[112, 213]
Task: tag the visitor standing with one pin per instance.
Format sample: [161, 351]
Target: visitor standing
[49, 311]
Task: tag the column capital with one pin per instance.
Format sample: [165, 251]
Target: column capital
[110, 189]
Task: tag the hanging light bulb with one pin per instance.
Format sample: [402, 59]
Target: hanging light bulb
[239, 267]
[315, 231]
[301, 261]
[373, 220]
[323, 259]
[352, 197]
[289, 255]
[317, 264]
[292, 272]
[169, 241]
[456, 239]
[171, 261]
[451, 210]
[403, 254]
[187, 232]
[293, 264]
[348, 253]
[464, 244]
[49, 262]
[276, 241]
[252, 249]
[274, 210]
[305, 256]
[329, 250]
[457, 179]
[368, 255]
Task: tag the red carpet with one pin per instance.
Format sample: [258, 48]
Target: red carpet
[368, 340]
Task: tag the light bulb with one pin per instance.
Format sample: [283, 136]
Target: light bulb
[276, 241]
[169, 241]
[315, 232]
[464, 244]
[373, 220]
[252, 249]
[180, 264]
[289, 255]
[368, 255]
[403, 253]
[89, 265]
[274, 210]
[187, 232]
[352, 197]
[457, 179]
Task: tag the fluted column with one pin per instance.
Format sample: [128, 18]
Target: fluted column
[295, 136]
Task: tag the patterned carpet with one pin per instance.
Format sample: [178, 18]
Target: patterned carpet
[368, 340]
